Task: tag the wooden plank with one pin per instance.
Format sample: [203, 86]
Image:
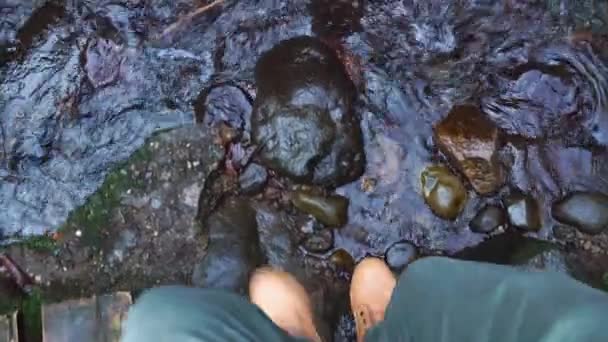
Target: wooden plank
[92, 319]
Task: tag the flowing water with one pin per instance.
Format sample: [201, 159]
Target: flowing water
[84, 83]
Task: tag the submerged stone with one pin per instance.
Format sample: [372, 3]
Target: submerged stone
[330, 210]
[319, 242]
[399, 255]
[587, 211]
[253, 179]
[342, 260]
[305, 122]
[443, 192]
[471, 142]
[488, 219]
[523, 212]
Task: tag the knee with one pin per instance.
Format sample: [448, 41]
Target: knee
[425, 266]
[154, 304]
[168, 312]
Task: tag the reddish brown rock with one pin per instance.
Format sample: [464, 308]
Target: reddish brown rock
[471, 142]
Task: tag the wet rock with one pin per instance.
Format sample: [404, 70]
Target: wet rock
[23, 21]
[399, 255]
[343, 261]
[102, 62]
[471, 141]
[345, 329]
[234, 250]
[330, 210]
[295, 139]
[305, 123]
[224, 104]
[539, 94]
[443, 192]
[587, 211]
[336, 17]
[319, 242]
[253, 179]
[274, 230]
[77, 104]
[488, 219]
[117, 239]
[523, 211]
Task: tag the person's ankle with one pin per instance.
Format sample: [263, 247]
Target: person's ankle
[285, 301]
[371, 289]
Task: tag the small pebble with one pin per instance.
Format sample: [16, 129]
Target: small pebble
[368, 184]
[488, 219]
[523, 211]
[443, 192]
[330, 210]
[343, 260]
[320, 242]
[78, 233]
[399, 255]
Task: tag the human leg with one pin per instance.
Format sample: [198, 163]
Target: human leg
[440, 299]
[193, 315]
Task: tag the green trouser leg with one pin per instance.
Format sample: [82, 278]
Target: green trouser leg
[436, 300]
[182, 314]
[441, 300]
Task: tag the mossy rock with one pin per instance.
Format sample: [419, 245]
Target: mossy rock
[94, 216]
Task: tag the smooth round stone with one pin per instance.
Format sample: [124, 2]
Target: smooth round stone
[523, 212]
[587, 211]
[342, 260]
[443, 192]
[330, 210]
[471, 141]
[488, 219]
[399, 255]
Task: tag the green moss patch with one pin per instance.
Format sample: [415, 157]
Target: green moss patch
[94, 217]
[31, 312]
[42, 244]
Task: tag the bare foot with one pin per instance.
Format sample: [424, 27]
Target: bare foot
[284, 300]
[370, 292]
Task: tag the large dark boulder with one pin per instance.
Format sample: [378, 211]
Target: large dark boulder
[303, 117]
